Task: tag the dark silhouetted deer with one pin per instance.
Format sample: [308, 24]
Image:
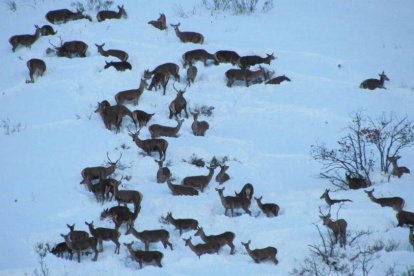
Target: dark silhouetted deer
[372, 84]
[36, 67]
[396, 170]
[103, 15]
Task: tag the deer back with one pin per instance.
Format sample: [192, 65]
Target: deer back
[196, 55]
[225, 56]
[185, 37]
[64, 15]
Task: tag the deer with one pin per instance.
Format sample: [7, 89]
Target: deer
[277, 80]
[232, 202]
[245, 75]
[46, 30]
[128, 196]
[181, 190]
[99, 190]
[103, 15]
[150, 236]
[121, 214]
[181, 224]
[372, 84]
[178, 104]
[191, 74]
[76, 235]
[202, 248]
[36, 67]
[82, 245]
[221, 239]
[110, 185]
[131, 95]
[24, 40]
[160, 145]
[105, 234]
[396, 203]
[330, 201]
[71, 49]
[199, 128]
[225, 56]
[199, 181]
[396, 170]
[122, 55]
[261, 254]
[112, 115]
[222, 176]
[158, 80]
[163, 173]
[144, 256]
[405, 217]
[197, 55]
[355, 183]
[160, 23]
[411, 236]
[247, 61]
[187, 36]
[157, 130]
[168, 69]
[269, 209]
[337, 227]
[141, 117]
[118, 65]
[61, 248]
[247, 191]
[65, 15]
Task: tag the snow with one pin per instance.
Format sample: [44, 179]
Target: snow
[266, 131]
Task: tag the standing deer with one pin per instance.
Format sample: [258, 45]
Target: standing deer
[82, 245]
[188, 36]
[160, 23]
[222, 176]
[25, 40]
[46, 30]
[71, 49]
[112, 115]
[247, 191]
[356, 182]
[405, 217]
[163, 173]
[337, 227]
[197, 55]
[277, 80]
[396, 170]
[269, 209]
[397, 203]
[261, 254]
[181, 224]
[232, 202]
[103, 15]
[245, 75]
[141, 117]
[168, 69]
[247, 61]
[118, 65]
[191, 74]
[105, 234]
[181, 190]
[122, 55]
[330, 201]
[131, 95]
[372, 84]
[121, 214]
[199, 181]
[149, 145]
[178, 104]
[225, 56]
[150, 236]
[144, 256]
[76, 235]
[36, 67]
[91, 173]
[157, 130]
[65, 15]
[221, 239]
[202, 248]
[199, 128]
[128, 196]
[159, 79]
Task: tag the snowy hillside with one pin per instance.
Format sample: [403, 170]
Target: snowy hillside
[50, 132]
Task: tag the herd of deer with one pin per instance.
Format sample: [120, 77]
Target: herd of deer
[98, 181]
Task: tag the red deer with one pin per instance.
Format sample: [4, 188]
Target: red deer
[25, 40]
[245, 75]
[149, 145]
[262, 254]
[76, 235]
[202, 248]
[91, 173]
[181, 190]
[192, 56]
[247, 191]
[225, 56]
[157, 130]
[144, 256]
[191, 74]
[59, 249]
[247, 61]
[160, 23]
[221, 239]
[337, 227]
[121, 214]
[188, 36]
[105, 234]
[199, 128]
[150, 236]
[163, 173]
[181, 224]
[36, 67]
[405, 217]
[46, 30]
[222, 176]
[118, 65]
[397, 203]
[131, 95]
[277, 80]
[199, 181]
[141, 117]
[112, 115]
[159, 80]
[82, 245]
[355, 183]
[65, 15]
[232, 202]
[269, 209]
[122, 55]
[165, 68]
[396, 170]
[372, 84]
[330, 201]
[178, 104]
[103, 15]
[128, 196]
[70, 49]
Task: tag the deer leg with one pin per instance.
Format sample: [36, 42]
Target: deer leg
[185, 110]
[231, 247]
[78, 253]
[146, 246]
[95, 258]
[100, 245]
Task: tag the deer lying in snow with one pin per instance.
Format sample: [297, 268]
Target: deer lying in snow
[163, 173]
[397, 203]
[269, 209]
[46, 30]
[233, 202]
[65, 15]
[356, 182]
[277, 80]
[188, 36]
[118, 65]
[202, 248]
[330, 201]
[372, 84]
[262, 254]
[181, 224]
[157, 130]
[181, 190]
[199, 181]
[69, 49]
[160, 23]
[144, 256]
[221, 239]
[151, 236]
[199, 128]
[103, 15]
[105, 234]
[36, 67]
[396, 170]
[222, 176]
[122, 55]
[25, 40]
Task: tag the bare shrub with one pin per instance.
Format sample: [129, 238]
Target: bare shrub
[238, 7]
[11, 5]
[42, 249]
[9, 128]
[92, 5]
[195, 160]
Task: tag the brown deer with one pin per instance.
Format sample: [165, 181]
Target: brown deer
[188, 36]
[222, 176]
[261, 254]
[82, 245]
[149, 145]
[330, 201]
[411, 236]
[247, 191]
[99, 190]
[103, 15]
[405, 217]
[128, 196]
[191, 74]
[122, 55]
[144, 256]
[247, 61]
[150, 236]
[225, 56]
[76, 235]
[197, 55]
[104, 234]
[199, 128]
[165, 68]
[372, 84]
[178, 104]
[181, 190]
[160, 23]
[46, 30]
[163, 173]
[221, 239]
[65, 15]
[131, 95]
[269, 209]
[245, 75]
[397, 203]
[61, 248]
[36, 67]
[157, 130]
[121, 214]
[277, 80]
[396, 170]
[159, 80]
[112, 115]
[337, 227]
[118, 65]
[199, 181]
[232, 202]
[71, 49]
[91, 173]
[202, 248]
[24, 40]
[181, 224]
[355, 183]
[141, 117]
